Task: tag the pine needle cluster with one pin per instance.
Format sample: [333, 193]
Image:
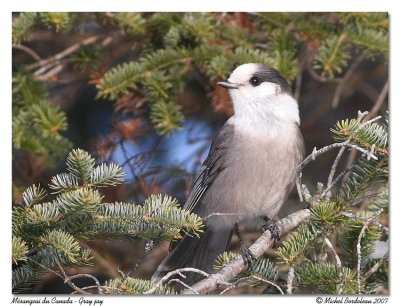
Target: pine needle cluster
[173, 49]
[48, 233]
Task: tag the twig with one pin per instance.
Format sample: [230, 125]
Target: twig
[172, 273]
[315, 153]
[220, 214]
[147, 249]
[290, 278]
[329, 184]
[64, 276]
[92, 287]
[379, 101]
[68, 280]
[177, 280]
[338, 264]
[28, 51]
[263, 243]
[366, 197]
[99, 288]
[336, 180]
[49, 74]
[344, 80]
[101, 261]
[363, 219]
[299, 78]
[64, 53]
[235, 284]
[360, 236]
[332, 173]
[376, 266]
[317, 77]
[46, 268]
[374, 110]
[268, 282]
[362, 232]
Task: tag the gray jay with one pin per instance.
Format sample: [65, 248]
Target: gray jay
[248, 173]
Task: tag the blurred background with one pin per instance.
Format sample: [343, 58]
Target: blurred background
[139, 89]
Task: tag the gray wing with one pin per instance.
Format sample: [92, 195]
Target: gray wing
[212, 166]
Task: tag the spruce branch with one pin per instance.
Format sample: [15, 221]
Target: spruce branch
[338, 264]
[258, 248]
[332, 55]
[22, 25]
[33, 195]
[316, 153]
[19, 250]
[27, 50]
[176, 272]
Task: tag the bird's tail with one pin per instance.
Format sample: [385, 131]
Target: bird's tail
[194, 252]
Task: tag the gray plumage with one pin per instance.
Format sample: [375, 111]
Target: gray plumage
[249, 171]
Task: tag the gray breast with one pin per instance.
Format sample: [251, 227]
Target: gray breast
[256, 181]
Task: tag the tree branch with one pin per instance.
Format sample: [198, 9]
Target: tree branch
[345, 79]
[315, 153]
[28, 51]
[263, 243]
[290, 278]
[338, 264]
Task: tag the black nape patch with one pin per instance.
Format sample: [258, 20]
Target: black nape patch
[269, 74]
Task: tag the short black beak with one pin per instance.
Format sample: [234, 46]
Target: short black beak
[229, 85]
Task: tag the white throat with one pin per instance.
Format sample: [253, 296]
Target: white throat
[275, 115]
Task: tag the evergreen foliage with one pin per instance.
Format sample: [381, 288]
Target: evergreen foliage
[325, 277]
[167, 52]
[179, 40]
[21, 27]
[134, 286]
[304, 249]
[178, 47]
[45, 233]
[37, 122]
[262, 267]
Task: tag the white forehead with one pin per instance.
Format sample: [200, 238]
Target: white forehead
[243, 73]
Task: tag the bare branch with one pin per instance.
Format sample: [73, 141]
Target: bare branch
[147, 249]
[268, 282]
[376, 266]
[263, 243]
[235, 284]
[332, 173]
[28, 51]
[175, 272]
[64, 53]
[360, 236]
[362, 232]
[290, 278]
[315, 153]
[64, 276]
[381, 226]
[345, 79]
[177, 280]
[99, 288]
[338, 264]
[374, 110]
[379, 101]
[67, 279]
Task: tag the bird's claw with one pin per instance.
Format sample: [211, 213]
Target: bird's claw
[275, 233]
[248, 256]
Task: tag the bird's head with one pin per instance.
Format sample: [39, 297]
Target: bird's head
[256, 88]
[256, 81]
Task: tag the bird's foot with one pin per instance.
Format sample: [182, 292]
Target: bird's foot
[275, 232]
[247, 255]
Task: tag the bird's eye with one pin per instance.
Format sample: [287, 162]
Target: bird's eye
[255, 81]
